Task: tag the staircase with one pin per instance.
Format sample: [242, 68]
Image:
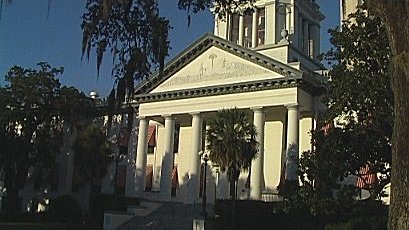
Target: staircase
[166, 216]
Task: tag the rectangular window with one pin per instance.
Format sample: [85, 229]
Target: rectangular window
[261, 26]
[234, 28]
[248, 30]
[310, 41]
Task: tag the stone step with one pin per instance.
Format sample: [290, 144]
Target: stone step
[168, 216]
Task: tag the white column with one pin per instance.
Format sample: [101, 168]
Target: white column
[241, 30]
[194, 170]
[167, 161]
[254, 30]
[288, 19]
[257, 174]
[228, 29]
[293, 19]
[140, 167]
[292, 143]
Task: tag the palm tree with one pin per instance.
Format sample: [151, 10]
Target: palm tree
[232, 144]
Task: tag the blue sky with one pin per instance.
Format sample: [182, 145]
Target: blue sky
[28, 36]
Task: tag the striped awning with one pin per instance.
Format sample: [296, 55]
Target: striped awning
[175, 179]
[149, 177]
[366, 178]
[152, 135]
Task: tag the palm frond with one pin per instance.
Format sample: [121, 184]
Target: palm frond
[231, 140]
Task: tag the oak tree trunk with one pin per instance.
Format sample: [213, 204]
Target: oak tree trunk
[399, 207]
[395, 14]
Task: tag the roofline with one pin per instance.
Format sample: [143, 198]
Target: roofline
[198, 47]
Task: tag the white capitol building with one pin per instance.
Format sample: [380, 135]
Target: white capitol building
[264, 63]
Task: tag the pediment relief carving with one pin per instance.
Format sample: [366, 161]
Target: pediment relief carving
[215, 67]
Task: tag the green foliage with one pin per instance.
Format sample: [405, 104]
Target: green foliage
[74, 105]
[100, 203]
[231, 142]
[92, 154]
[136, 36]
[361, 101]
[366, 215]
[220, 7]
[32, 110]
[65, 209]
[359, 78]
[263, 215]
[132, 31]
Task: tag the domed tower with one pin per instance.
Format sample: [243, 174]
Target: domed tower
[285, 30]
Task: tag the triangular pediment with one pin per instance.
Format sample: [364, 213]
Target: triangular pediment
[211, 62]
[215, 67]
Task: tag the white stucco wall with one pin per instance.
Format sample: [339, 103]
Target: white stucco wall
[274, 153]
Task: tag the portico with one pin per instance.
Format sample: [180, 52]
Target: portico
[188, 160]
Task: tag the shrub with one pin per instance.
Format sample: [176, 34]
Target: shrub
[65, 209]
[100, 203]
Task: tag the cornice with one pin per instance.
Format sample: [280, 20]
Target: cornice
[244, 87]
[217, 90]
[307, 83]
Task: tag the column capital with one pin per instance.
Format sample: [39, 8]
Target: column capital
[257, 108]
[193, 114]
[168, 116]
[292, 106]
[142, 117]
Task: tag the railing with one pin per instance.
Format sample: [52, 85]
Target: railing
[271, 197]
